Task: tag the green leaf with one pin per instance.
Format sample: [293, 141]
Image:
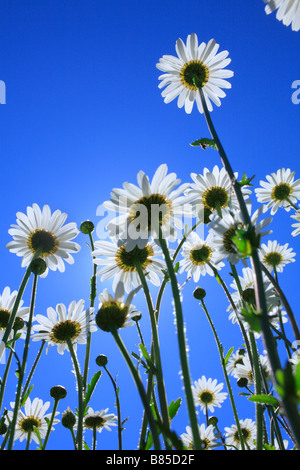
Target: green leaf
[26, 395]
[91, 387]
[245, 181]
[226, 359]
[252, 317]
[264, 399]
[204, 143]
[147, 358]
[174, 407]
[37, 433]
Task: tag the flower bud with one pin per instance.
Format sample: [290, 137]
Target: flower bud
[101, 360]
[213, 420]
[18, 324]
[3, 429]
[58, 392]
[87, 227]
[38, 266]
[68, 419]
[199, 293]
[242, 382]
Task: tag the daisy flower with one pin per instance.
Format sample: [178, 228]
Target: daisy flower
[207, 394]
[276, 256]
[64, 324]
[120, 264]
[247, 283]
[42, 231]
[147, 208]
[288, 11]
[206, 435]
[197, 253]
[234, 360]
[7, 301]
[194, 62]
[225, 228]
[232, 437]
[115, 309]
[297, 224]
[98, 420]
[281, 190]
[243, 370]
[34, 416]
[213, 191]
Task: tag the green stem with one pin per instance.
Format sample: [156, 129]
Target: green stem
[79, 435]
[56, 401]
[284, 301]
[18, 300]
[182, 345]
[89, 335]
[156, 347]
[23, 365]
[229, 297]
[261, 305]
[138, 384]
[118, 407]
[258, 391]
[94, 437]
[26, 386]
[5, 375]
[220, 349]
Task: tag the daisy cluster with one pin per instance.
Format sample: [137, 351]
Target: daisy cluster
[202, 226]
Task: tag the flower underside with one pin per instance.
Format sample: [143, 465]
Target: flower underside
[111, 313]
[127, 260]
[215, 198]
[281, 192]
[273, 259]
[93, 422]
[227, 238]
[43, 241]
[154, 209]
[245, 433]
[206, 397]
[29, 423]
[200, 255]
[65, 330]
[4, 318]
[192, 71]
[248, 295]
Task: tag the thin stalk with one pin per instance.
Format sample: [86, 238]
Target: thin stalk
[17, 301]
[5, 375]
[156, 347]
[94, 437]
[258, 391]
[118, 407]
[182, 345]
[220, 349]
[26, 386]
[92, 303]
[139, 385]
[284, 301]
[23, 365]
[79, 435]
[229, 297]
[261, 305]
[56, 401]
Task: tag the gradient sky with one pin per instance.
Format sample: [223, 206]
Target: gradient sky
[83, 114]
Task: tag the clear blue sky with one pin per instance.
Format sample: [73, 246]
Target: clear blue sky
[83, 114]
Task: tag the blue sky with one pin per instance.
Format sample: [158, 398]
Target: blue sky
[83, 114]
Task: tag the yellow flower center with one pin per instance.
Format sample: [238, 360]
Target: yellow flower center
[195, 69]
[44, 241]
